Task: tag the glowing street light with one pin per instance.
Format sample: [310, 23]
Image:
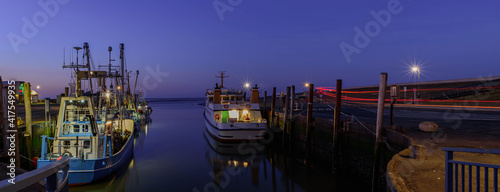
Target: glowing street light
[307, 84]
[247, 85]
[416, 69]
[37, 87]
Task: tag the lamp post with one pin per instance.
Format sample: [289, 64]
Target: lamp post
[306, 85]
[417, 70]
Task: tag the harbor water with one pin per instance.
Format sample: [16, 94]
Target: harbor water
[173, 153]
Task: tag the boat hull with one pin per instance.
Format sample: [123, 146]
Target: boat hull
[88, 170]
[238, 132]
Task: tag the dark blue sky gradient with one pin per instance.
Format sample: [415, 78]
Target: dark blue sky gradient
[271, 43]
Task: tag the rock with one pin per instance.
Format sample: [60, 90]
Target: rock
[428, 126]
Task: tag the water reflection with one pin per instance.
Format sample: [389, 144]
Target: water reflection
[175, 154]
[130, 173]
[232, 159]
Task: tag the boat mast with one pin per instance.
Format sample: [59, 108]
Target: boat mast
[221, 78]
[136, 81]
[122, 72]
[78, 82]
[87, 51]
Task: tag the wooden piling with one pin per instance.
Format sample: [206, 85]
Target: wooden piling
[380, 118]
[336, 124]
[285, 110]
[309, 119]
[290, 124]
[273, 105]
[265, 103]
[28, 122]
[285, 115]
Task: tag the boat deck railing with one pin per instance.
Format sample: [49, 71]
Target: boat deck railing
[83, 144]
[49, 172]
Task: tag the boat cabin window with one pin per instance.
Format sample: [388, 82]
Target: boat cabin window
[66, 144]
[86, 144]
[239, 98]
[76, 128]
[210, 99]
[225, 99]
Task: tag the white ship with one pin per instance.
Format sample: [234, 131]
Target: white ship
[229, 116]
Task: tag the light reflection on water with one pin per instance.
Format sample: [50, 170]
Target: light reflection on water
[172, 153]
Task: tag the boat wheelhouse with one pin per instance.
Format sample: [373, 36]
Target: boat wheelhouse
[81, 135]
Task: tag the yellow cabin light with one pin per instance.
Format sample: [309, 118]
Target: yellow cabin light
[245, 112]
[108, 123]
[245, 164]
[233, 114]
[107, 95]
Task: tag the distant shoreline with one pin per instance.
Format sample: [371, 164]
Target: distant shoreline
[173, 99]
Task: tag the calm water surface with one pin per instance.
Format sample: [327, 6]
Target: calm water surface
[172, 153]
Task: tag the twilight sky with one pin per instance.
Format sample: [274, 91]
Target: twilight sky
[271, 43]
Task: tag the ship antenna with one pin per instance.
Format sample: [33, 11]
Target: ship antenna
[64, 56]
[221, 78]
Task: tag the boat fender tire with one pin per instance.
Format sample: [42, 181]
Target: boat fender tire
[226, 106]
[248, 106]
[217, 116]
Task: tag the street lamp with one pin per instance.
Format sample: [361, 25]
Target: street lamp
[307, 84]
[416, 69]
[247, 85]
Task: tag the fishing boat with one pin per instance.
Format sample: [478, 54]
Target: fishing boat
[94, 129]
[81, 135]
[143, 109]
[229, 116]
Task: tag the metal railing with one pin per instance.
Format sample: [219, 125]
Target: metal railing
[49, 171]
[454, 167]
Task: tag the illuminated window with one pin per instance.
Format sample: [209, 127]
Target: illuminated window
[233, 114]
